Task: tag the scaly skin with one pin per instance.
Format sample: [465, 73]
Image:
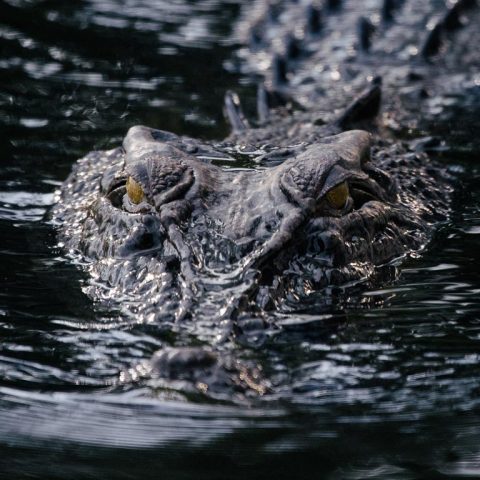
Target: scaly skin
[208, 247]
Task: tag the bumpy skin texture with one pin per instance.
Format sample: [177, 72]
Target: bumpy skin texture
[210, 248]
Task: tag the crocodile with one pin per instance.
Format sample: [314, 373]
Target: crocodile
[329, 184]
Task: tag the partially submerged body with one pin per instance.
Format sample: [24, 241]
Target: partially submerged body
[176, 240]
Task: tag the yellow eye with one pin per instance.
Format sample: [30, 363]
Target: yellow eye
[337, 197]
[134, 191]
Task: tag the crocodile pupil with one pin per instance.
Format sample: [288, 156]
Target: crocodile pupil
[338, 196]
[134, 191]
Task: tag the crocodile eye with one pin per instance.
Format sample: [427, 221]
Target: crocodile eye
[337, 197]
[134, 191]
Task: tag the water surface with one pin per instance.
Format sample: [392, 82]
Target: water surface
[382, 383]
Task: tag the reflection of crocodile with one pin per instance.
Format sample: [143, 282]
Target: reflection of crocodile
[171, 236]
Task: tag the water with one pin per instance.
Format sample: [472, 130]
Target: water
[384, 383]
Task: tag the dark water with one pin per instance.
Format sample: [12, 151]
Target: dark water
[384, 384]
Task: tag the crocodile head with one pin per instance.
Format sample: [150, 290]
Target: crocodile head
[325, 215]
[170, 236]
